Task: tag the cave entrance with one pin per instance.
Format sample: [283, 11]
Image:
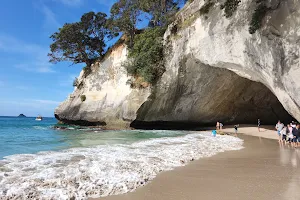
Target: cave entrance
[200, 95]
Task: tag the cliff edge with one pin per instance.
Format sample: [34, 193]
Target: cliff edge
[215, 70]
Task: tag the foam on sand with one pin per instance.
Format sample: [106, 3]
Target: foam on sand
[103, 170]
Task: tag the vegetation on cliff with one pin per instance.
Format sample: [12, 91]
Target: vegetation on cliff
[86, 41]
[80, 42]
[258, 16]
[146, 56]
[231, 6]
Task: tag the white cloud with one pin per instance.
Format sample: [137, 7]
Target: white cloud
[40, 67]
[36, 55]
[21, 87]
[74, 3]
[50, 18]
[47, 102]
[11, 44]
[36, 103]
[107, 3]
[29, 107]
[71, 2]
[68, 81]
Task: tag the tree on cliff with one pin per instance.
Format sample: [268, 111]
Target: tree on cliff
[161, 11]
[124, 18]
[146, 56]
[80, 42]
[125, 15]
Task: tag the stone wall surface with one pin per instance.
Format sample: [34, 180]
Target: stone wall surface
[109, 98]
[215, 70]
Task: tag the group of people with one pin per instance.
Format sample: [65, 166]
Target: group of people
[219, 126]
[289, 134]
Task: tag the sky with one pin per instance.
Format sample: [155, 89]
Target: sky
[29, 84]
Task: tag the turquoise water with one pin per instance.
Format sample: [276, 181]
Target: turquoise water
[25, 135]
[43, 163]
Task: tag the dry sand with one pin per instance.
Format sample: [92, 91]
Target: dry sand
[262, 170]
[265, 131]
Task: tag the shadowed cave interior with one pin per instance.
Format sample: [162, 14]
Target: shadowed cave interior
[203, 95]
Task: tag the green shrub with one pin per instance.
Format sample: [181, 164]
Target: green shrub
[206, 7]
[230, 6]
[258, 16]
[87, 71]
[83, 98]
[146, 55]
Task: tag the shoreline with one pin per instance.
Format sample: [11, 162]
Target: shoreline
[258, 171]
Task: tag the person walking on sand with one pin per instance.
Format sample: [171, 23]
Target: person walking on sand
[258, 125]
[279, 126]
[236, 129]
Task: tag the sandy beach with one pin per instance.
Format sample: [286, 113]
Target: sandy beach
[265, 131]
[262, 170]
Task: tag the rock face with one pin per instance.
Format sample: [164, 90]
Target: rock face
[109, 99]
[204, 94]
[215, 70]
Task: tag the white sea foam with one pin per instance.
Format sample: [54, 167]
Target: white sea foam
[40, 128]
[103, 170]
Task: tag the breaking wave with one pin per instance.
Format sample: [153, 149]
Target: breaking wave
[103, 170]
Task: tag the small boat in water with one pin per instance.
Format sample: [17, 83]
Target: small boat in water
[39, 118]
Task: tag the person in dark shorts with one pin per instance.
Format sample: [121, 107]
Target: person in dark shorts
[296, 134]
[258, 125]
[290, 136]
[283, 134]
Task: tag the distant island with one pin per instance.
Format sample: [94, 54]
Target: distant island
[21, 115]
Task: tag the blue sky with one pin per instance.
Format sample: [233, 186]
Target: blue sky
[29, 84]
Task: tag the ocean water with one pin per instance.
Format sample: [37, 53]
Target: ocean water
[37, 161]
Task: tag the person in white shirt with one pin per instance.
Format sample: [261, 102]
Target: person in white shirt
[290, 135]
[283, 133]
[293, 124]
[279, 126]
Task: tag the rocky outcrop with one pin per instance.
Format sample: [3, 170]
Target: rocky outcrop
[109, 99]
[204, 94]
[215, 70]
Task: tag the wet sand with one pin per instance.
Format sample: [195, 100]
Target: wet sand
[262, 170]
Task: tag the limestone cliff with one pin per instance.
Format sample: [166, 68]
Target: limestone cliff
[109, 98]
[215, 70]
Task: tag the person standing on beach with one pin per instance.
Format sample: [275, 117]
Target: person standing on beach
[296, 134]
[293, 124]
[279, 126]
[290, 135]
[221, 126]
[283, 133]
[218, 126]
[258, 125]
[236, 129]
